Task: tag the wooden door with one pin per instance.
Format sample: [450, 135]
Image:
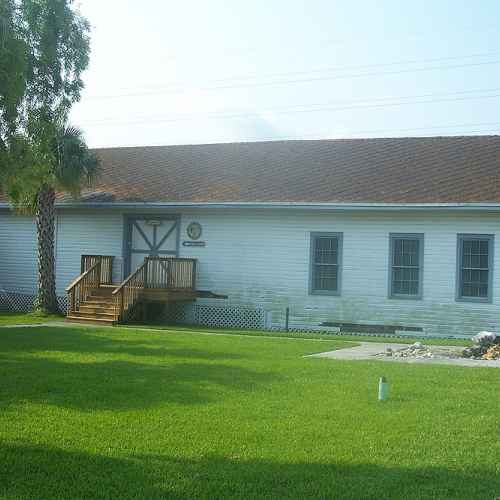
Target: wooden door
[150, 236]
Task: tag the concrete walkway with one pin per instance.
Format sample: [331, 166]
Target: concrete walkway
[30, 325]
[374, 351]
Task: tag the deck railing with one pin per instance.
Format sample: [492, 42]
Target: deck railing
[128, 293]
[173, 273]
[167, 273]
[82, 287]
[155, 273]
[88, 261]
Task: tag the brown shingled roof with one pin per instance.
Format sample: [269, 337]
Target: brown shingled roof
[399, 170]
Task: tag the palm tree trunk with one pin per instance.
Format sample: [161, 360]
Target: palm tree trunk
[46, 300]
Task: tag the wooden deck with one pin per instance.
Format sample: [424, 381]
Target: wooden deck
[93, 296]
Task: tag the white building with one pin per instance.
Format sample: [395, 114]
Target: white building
[398, 233]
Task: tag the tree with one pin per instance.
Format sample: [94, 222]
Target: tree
[44, 48]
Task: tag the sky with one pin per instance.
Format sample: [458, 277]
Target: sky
[192, 71]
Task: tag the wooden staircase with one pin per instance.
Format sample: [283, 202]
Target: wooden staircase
[92, 297]
[98, 307]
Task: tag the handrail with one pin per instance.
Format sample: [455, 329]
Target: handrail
[163, 273]
[106, 266]
[126, 281]
[82, 287]
[127, 295]
[81, 277]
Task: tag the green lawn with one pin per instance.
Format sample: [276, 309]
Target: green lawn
[27, 319]
[307, 335]
[121, 413]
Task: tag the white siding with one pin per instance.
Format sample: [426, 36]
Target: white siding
[18, 265]
[262, 259]
[77, 233]
[91, 232]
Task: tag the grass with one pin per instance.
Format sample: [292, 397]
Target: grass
[306, 335]
[36, 318]
[7, 318]
[123, 413]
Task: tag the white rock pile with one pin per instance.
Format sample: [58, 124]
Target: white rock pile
[416, 350]
[485, 345]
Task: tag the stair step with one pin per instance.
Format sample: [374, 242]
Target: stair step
[91, 300]
[96, 309]
[93, 321]
[92, 315]
[106, 307]
[98, 303]
[104, 291]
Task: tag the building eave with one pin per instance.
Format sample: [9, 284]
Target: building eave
[486, 207]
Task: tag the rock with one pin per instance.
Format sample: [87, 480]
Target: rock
[477, 351]
[482, 351]
[416, 350]
[388, 351]
[484, 338]
[493, 352]
[467, 352]
[426, 354]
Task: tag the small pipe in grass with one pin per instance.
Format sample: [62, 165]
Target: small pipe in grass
[383, 389]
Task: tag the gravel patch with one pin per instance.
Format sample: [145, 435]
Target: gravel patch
[400, 353]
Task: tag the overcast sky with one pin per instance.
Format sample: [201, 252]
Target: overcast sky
[194, 71]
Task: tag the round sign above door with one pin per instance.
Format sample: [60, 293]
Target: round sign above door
[194, 230]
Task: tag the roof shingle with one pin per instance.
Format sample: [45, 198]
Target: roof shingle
[393, 170]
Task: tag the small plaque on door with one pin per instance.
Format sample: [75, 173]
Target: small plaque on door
[188, 243]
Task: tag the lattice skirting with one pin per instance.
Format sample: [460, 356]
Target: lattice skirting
[217, 316]
[23, 302]
[16, 302]
[245, 318]
[207, 315]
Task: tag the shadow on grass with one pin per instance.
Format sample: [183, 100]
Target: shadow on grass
[122, 385]
[42, 472]
[86, 371]
[90, 341]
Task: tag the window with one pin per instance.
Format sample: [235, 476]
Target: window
[474, 267]
[406, 265]
[326, 259]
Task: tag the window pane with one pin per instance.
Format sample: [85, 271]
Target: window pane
[325, 263]
[474, 261]
[467, 260]
[474, 276]
[325, 278]
[397, 274]
[405, 266]
[325, 250]
[397, 258]
[413, 288]
[483, 277]
[474, 273]
[483, 261]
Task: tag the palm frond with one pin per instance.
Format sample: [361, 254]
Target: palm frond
[75, 165]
